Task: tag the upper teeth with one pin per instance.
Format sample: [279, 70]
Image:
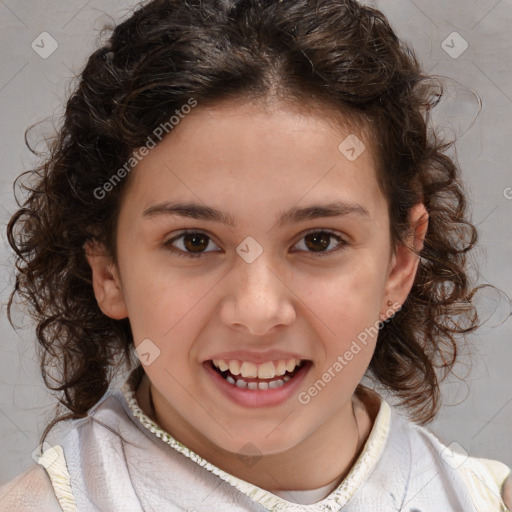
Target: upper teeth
[266, 370]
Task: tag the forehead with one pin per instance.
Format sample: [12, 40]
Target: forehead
[258, 151]
[264, 117]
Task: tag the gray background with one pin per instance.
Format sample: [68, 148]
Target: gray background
[477, 415]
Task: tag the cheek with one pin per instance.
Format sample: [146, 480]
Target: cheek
[164, 308]
[347, 301]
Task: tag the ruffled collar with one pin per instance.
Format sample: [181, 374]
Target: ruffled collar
[339, 497]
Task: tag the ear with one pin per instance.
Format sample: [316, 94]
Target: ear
[404, 262]
[106, 282]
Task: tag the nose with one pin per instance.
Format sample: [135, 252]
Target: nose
[259, 299]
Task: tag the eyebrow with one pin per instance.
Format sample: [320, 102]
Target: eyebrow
[293, 215]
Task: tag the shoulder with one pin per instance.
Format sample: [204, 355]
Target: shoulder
[29, 492]
[47, 485]
[506, 492]
[487, 481]
[501, 474]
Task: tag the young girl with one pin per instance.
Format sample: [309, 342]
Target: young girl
[245, 208]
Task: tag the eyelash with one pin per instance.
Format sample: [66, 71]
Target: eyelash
[181, 253]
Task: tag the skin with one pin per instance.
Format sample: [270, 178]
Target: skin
[256, 162]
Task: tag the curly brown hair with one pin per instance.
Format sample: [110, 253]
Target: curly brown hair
[330, 52]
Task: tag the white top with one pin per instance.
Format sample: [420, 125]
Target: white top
[307, 497]
[118, 460]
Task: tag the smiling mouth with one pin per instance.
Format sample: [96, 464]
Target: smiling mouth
[256, 384]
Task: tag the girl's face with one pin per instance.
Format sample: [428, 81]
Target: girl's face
[291, 261]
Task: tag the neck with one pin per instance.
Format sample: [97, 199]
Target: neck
[324, 458]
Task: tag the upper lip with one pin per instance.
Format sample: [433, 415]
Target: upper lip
[256, 357]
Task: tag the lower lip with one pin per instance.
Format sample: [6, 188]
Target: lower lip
[258, 397]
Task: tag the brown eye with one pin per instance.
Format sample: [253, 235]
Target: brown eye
[193, 244]
[318, 242]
